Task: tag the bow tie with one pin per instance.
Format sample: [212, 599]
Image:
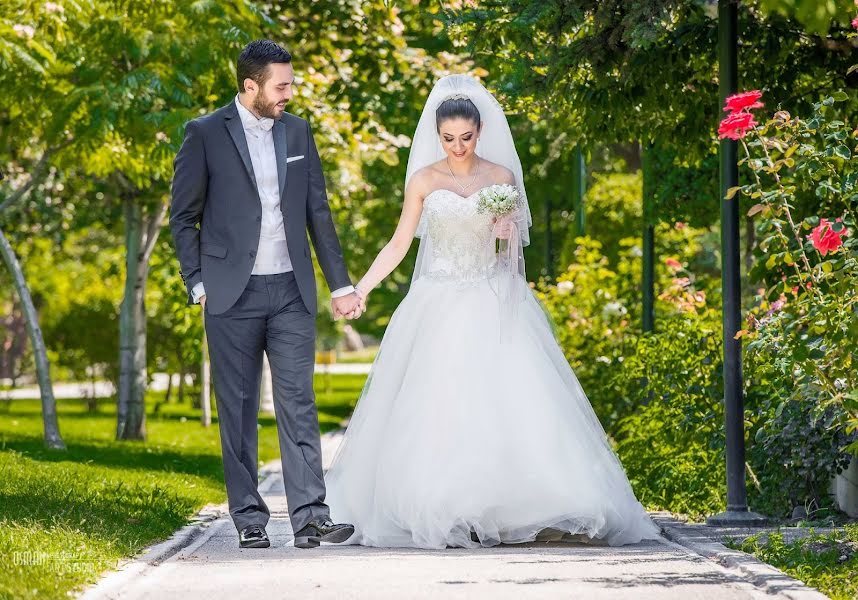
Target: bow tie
[263, 124]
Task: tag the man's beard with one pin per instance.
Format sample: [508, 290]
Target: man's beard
[264, 108]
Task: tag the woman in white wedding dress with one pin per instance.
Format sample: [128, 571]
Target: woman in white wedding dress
[472, 430]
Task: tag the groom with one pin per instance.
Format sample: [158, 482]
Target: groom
[249, 174]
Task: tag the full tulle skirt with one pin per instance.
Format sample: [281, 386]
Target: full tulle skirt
[461, 438]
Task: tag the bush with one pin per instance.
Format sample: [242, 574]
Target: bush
[613, 208]
[803, 334]
[673, 446]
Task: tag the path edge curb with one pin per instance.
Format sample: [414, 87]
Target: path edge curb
[109, 582]
[762, 575]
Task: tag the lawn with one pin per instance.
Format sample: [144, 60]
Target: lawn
[828, 562]
[65, 517]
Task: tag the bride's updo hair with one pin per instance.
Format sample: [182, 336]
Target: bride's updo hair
[457, 108]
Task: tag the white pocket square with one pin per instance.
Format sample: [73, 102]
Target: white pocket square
[291, 158]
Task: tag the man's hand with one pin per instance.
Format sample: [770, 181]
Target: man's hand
[203, 301]
[347, 306]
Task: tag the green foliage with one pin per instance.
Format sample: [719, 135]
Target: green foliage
[798, 449]
[174, 330]
[363, 73]
[673, 446]
[657, 394]
[803, 333]
[613, 206]
[683, 189]
[803, 337]
[76, 288]
[627, 71]
[827, 562]
[818, 17]
[597, 308]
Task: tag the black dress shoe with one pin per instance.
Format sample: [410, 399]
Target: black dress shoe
[323, 530]
[253, 536]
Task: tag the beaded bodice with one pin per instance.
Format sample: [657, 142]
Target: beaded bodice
[460, 238]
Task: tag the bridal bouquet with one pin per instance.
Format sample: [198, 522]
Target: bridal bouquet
[499, 200]
[502, 201]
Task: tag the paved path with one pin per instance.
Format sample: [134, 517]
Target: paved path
[105, 389]
[203, 561]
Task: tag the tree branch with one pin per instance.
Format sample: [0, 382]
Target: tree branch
[153, 228]
[35, 176]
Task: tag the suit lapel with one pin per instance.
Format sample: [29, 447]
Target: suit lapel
[236, 132]
[280, 146]
[289, 141]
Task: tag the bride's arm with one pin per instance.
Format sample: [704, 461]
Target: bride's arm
[396, 249]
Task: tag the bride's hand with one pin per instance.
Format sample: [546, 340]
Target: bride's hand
[503, 228]
[362, 295]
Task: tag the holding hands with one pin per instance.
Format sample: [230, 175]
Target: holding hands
[350, 306]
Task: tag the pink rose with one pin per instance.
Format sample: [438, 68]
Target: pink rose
[825, 239]
[743, 101]
[736, 125]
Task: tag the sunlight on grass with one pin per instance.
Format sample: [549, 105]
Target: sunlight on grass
[68, 516]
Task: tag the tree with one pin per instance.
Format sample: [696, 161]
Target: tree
[20, 55]
[363, 73]
[122, 81]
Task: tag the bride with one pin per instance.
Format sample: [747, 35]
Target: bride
[472, 430]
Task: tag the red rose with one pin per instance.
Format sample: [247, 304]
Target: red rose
[743, 101]
[736, 125]
[672, 263]
[825, 239]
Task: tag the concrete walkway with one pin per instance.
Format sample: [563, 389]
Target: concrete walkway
[105, 389]
[203, 561]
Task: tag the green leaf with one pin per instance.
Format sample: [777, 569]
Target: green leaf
[772, 261]
[843, 152]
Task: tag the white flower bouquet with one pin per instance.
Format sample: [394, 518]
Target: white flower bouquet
[499, 200]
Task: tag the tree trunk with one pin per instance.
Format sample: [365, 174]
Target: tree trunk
[49, 403]
[169, 391]
[140, 238]
[182, 370]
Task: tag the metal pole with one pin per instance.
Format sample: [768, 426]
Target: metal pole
[737, 512]
[648, 279]
[579, 183]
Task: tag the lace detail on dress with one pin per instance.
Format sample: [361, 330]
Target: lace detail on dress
[461, 238]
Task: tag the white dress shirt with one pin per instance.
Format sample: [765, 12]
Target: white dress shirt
[272, 255]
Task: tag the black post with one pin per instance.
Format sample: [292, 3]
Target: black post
[648, 279]
[549, 240]
[578, 189]
[737, 512]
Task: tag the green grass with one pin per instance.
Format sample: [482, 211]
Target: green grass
[826, 562]
[65, 517]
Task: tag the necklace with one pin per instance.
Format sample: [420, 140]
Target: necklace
[456, 181]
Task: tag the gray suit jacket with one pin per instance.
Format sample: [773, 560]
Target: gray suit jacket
[214, 186]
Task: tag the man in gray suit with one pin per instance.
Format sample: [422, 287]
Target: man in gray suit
[249, 174]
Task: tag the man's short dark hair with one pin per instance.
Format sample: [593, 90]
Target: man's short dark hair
[254, 60]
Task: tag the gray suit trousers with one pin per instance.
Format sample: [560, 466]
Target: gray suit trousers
[269, 316]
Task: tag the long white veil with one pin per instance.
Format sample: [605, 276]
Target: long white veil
[496, 145]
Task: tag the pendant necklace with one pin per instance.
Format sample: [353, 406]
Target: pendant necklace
[456, 181]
